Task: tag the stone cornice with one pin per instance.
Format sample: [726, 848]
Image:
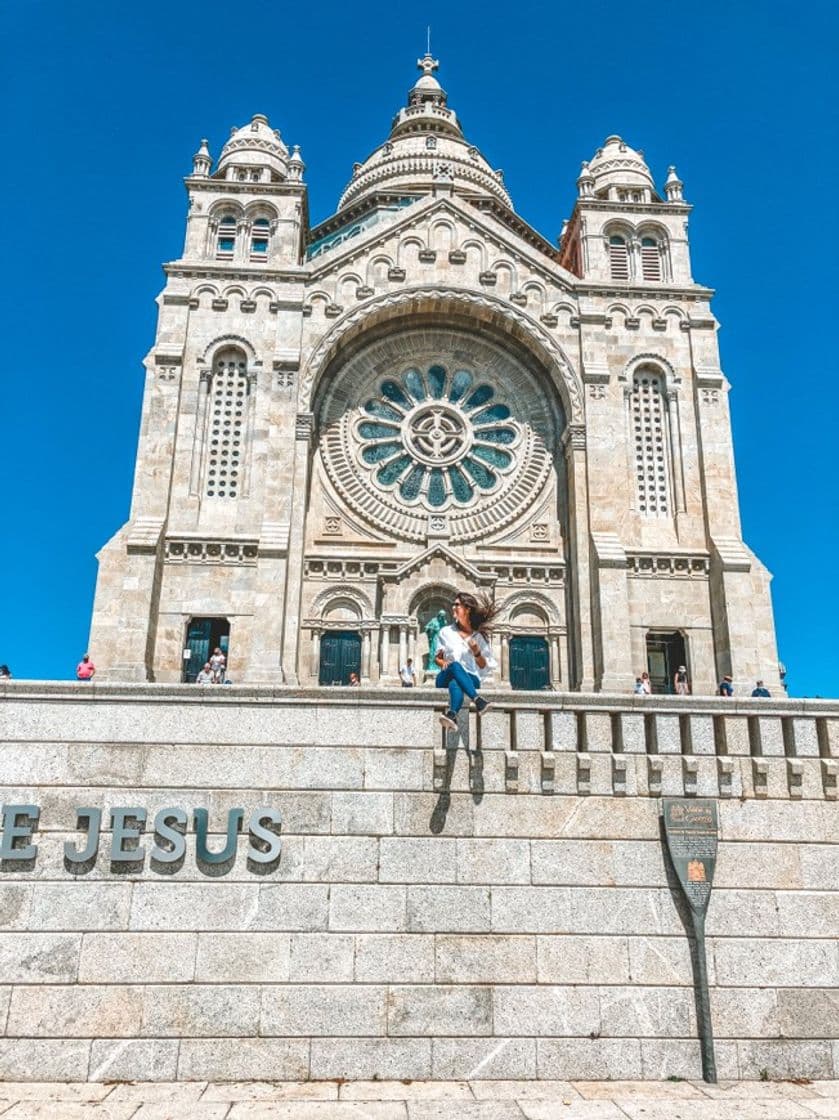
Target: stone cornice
[605, 205]
[518, 225]
[232, 186]
[696, 293]
[217, 271]
[279, 696]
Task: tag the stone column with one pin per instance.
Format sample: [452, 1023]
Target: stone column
[199, 443]
[676, 456]
[556, 670]
[303, 429]
[505, 656]
[315, 670]
[563, 659]
[574, 443]
[403, 646]
[366, 651]
[384, 657]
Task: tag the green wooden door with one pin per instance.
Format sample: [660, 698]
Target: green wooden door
[202, 637]
[340, 655]
[529, 663]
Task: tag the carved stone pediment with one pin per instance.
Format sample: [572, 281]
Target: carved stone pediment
[423, 562]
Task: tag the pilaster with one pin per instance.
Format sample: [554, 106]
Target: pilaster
[303, 433]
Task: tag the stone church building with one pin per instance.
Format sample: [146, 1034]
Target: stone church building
[345, 423]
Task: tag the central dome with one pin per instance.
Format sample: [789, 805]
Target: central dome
[426, 146]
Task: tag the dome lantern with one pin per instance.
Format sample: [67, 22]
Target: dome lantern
[426, 144]
[620, 173]
[253, 152]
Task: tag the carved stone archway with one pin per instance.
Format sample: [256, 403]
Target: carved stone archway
[451, 305]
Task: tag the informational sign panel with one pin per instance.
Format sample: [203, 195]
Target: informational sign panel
[691, 829]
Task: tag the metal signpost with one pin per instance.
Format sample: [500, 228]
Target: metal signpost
[691, 827]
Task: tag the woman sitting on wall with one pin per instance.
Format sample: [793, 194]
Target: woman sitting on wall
[464, 654]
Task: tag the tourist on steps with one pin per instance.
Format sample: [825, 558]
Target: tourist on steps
[464, 654]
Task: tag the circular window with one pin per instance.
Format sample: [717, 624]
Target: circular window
[418, 426]
[437, 438]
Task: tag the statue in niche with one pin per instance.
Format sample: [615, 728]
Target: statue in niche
[432, 631]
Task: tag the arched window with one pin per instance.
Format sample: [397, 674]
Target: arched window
[649, 422]
[260, 232]
[650, 259]
[226, 427]
[226, 243]
[618, 257]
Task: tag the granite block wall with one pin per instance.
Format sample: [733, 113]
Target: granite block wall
[491, 904]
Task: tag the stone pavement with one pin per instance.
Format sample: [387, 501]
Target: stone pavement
[422, 1100]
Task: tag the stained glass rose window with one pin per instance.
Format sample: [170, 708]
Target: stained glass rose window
[436, 426]
[437, 438]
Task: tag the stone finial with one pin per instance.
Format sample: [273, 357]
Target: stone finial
[296, 166]
[585, 181]
[673, 186]
[202, 161]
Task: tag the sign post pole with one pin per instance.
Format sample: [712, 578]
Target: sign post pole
[691, 828]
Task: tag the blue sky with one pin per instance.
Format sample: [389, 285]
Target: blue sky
[105, 105]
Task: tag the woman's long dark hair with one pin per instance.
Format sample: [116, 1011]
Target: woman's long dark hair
[482, 611]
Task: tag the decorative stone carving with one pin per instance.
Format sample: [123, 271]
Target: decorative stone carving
[452, 300]
[670, 566]
[304, 424]
[436, 436]
[186, 550]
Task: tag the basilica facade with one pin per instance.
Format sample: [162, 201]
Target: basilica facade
[345, 423]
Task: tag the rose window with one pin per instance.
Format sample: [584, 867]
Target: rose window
[437, 439]
[436, 427]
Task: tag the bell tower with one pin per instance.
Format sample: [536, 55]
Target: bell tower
[207, 532]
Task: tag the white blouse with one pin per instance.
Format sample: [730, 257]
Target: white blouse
[455, 646]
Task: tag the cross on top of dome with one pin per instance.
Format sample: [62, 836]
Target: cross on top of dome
[428, 64]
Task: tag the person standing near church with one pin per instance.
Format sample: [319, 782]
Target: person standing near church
[407, 674]
[760, 689]
[85, 670]
[218, 663]
[681, 685]
[464, 655]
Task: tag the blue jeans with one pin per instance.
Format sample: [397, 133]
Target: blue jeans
[458, 681]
